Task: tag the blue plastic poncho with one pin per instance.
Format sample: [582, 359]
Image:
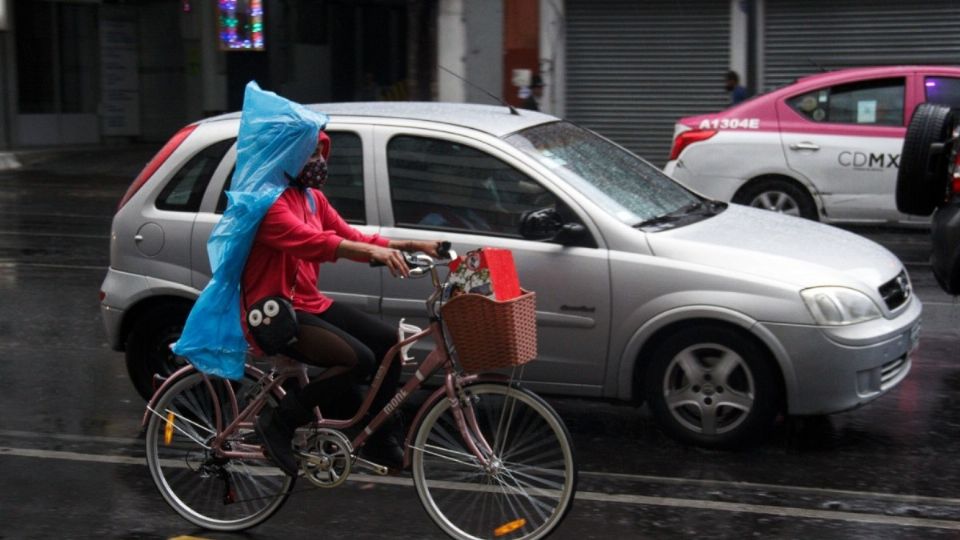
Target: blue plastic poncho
[276, 136]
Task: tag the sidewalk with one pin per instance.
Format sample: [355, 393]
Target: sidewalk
[113, 160]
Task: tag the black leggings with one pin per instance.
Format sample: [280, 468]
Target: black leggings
[352, 344]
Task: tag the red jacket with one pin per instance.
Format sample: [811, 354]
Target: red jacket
[289, 246]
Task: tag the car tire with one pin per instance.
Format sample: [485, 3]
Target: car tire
[778, 195]
[712, 386]
[148, 346]
[922, 179]
[945, 243]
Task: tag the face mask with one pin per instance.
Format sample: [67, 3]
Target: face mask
[313, 175]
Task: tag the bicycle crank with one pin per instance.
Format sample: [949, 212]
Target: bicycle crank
[326, 460]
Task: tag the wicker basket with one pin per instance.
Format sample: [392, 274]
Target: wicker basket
[489, 334]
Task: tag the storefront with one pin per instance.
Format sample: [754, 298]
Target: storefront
[802, 37]
[87, 72]
[634, 68]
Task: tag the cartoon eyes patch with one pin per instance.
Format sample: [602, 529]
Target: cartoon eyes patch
[270, 309]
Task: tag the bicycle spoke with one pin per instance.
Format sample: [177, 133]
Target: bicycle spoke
[528, 485]
[207, 488]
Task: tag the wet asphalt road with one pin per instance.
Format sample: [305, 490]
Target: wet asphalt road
[71, 457]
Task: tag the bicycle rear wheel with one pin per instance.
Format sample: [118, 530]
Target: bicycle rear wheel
[528, 489]
[207, 489]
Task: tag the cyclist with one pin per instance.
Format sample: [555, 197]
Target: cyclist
[300, 231]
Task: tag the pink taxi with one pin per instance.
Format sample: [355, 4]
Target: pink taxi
[826, 147]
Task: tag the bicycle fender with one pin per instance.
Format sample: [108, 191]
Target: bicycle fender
[436, 396]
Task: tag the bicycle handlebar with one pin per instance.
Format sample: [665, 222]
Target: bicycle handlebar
[421, 263]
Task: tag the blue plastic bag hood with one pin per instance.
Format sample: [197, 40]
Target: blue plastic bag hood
[276, 137]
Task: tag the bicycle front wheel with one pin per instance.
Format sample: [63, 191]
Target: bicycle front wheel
[203, 486]
[526, 489]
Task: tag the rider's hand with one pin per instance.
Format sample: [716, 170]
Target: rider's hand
[392, 259]
[430, 247]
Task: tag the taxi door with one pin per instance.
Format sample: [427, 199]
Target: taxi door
[845, 140]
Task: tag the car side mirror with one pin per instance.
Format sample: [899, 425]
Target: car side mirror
[546, 224]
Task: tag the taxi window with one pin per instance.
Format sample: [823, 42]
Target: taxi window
[943, 90]
[876, 103]
[344, 187]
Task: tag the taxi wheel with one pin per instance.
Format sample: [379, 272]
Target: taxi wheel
[148, 346]
[778, 195]
[922, 179]
[712, 386]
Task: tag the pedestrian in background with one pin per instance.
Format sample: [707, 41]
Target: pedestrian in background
[737, 92]
[530, 95]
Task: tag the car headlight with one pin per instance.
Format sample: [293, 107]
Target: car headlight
[838, 306]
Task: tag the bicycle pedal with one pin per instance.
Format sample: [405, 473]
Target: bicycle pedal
[375, 467]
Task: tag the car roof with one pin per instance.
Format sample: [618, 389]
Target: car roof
[870, 72]
[496, 120]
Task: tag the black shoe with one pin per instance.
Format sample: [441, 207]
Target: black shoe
[385, 446]
[389, 454]
[276, 437]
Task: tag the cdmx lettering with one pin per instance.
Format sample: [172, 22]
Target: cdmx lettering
[863, 160]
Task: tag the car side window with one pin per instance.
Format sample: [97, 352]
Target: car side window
[876, 103]
[185, 189]
[444, 185]
[344, 187]
[942, 90]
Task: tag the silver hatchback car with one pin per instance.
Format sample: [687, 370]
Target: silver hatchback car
[719, 316]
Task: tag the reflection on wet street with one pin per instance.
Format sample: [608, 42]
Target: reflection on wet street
[72, 455]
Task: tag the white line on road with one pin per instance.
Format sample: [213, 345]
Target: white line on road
[672, 502]
[722, 484]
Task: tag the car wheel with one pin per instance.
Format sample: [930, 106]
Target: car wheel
[712, 386]
[148, 346]
[922, 179]
[778, 195]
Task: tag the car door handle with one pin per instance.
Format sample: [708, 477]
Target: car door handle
[805, 146]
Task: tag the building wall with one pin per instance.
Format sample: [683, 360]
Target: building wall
[484, 50]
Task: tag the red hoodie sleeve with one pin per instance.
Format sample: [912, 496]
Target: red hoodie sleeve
[284, 229]
[332, 221]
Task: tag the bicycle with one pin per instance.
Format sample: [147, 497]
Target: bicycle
[488, 457]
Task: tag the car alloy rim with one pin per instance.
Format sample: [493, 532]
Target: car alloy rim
[776, 201]
[709, 389]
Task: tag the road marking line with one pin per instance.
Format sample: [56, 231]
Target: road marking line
[905, 498]
[69, 437]
[918, 499]
[695, 504]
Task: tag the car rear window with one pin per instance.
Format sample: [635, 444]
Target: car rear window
[943, 90]
[344, 187]
[876, 102]
[185, 189]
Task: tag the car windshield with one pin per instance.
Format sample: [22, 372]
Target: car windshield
[628, 187]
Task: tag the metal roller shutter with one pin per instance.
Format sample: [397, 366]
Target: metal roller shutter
[803, 36]
[634, 68]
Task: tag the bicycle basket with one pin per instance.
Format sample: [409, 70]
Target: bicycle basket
[489, 334]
